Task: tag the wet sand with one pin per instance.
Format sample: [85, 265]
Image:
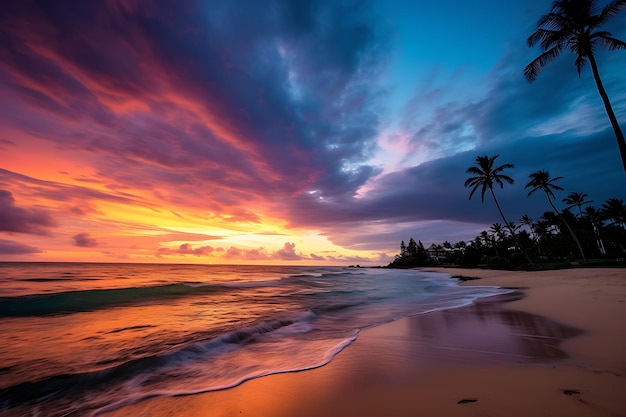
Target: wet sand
[558, 350]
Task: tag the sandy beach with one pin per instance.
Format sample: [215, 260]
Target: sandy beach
[556, 347]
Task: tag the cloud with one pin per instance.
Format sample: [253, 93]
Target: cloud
[236, 112]
[64, 193]
[84, 240]
[186, 249]
[248, 100]
[288, 252]
[557, 123]
[22, 220]
[8, 247]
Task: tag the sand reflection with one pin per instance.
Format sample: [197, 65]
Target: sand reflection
[385, 365]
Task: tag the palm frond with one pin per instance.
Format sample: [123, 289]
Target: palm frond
[610, 10]
[533, 189]
[473, 191]
[508, 179]
[474, 170]
[532, 70]
[538, 36]
[580, 62]
[502, 168]
[612, 44]
[555, 38]
[472, 181]
[551, 21]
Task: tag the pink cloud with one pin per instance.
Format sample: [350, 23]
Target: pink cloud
[22, 220]
[185, 249]
[288, 252]
[84, 240]
[9, 247]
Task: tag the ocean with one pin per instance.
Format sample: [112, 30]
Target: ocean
[81, 339]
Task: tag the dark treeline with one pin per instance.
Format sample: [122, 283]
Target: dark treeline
[579, 232]
[600, 231]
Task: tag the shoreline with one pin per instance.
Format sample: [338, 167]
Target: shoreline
[558, 350]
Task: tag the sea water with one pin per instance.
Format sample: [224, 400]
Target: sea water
[81, 339]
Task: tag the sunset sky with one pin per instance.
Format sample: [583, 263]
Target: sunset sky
[300, 132]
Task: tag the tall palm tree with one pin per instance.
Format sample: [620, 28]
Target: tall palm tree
[575, 24]
[485, 176]
[541, 180]
[578, 200]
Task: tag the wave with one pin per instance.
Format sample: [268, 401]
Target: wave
[96, 391]
[90, 300]
[76, 301]
[328, 356]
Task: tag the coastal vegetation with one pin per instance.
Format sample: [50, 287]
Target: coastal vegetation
[591, 235]
[560, 237]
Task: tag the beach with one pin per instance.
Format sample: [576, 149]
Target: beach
[555, 347]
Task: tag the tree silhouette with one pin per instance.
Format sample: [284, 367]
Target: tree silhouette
[575, 24]
[578, 200]
[411, 249]
[541, 180]
[528, 221]
[593, 215]
[613, 209]
[403, 252]
[485, 175]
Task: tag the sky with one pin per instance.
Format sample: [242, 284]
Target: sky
[317, 132]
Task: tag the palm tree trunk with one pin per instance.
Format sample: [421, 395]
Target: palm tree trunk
[536, 239]
[558, 213]
[599, 241]
[621, 143]
[530, 261]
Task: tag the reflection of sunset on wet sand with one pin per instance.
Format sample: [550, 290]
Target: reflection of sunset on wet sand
[501, 358]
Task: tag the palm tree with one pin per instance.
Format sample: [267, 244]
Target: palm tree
[593, 215]
[497, 230]
[613, 209]
[550, 221]
[528, 221]
[575, 24]
[541, 180]
[578, 200]
[485, 176]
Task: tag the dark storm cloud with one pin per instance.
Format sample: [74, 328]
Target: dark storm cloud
[557, 123]
[23, 220]
[245, 96]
